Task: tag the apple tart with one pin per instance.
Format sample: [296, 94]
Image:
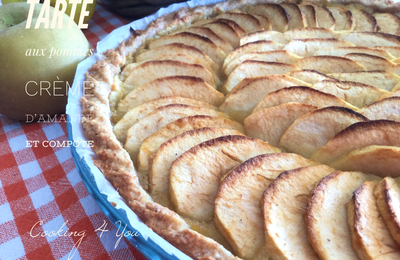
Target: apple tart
[230, 128]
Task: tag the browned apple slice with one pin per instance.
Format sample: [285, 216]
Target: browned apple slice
[182, 86]
[370, 236]
[380, 79]
[282, 56]
[263, 36]
[343, 18]
[151, 144]
[365, 22]
[303, 95]
[325, 18]
[310, 33]
[204, 44]
[286, 198]
[326, 218]
[359, 135]
[248, 22]
[310, 15]
[170, 150]
[174, 49]
[195, 176]
[387, 194]
[276, 15]
[307, 47]
[241, 100]
[135, 114]
[258, 46]
[329, 64]
[370, 62]
[224, 30]
[270, 123]
[388, 108]
[310, 76]
[375, 159]
[341, 51]
[238, 213]
[393, 50]
[215, 38]
[355, 93]
[371, 39]
[264, 21]
[309, 132]
[393, 93]
[159, 118]
[253, 68]
[296, 19]
[151, 70]
[192, 60]
[388, 23]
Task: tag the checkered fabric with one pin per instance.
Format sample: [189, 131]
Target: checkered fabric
[45, 208]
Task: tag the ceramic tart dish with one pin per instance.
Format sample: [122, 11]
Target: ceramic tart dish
[257, 129]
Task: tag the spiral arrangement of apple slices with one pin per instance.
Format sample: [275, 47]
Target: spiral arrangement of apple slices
[269, 129]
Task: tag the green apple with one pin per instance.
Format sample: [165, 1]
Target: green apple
[90, 8]
[37, 65]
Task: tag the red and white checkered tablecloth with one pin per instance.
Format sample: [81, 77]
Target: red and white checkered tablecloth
[42, 196]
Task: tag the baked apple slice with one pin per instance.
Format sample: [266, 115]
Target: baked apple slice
[254, 68]
[269, 124]
[247, 21]
[375, 159]
[151, 144]
[210, 34]
[296, 18]
[371, 238]
[325, 18]
[344, 20]
[387, 194]
[170, 150]
[183, 86]
[384, 80]
[238, 213]
[311, 33]
[370, 62]
[355, 93]
[275, 13]
[252, 90]
[303, 95]
[286, 199]
[388, 23]
[359, 135]
[175, 49]
[224, 30]
[310, 15]
[341, 51]
[151, 70]
[371, 39]
[329, 64]
[135, 114]
[263, 36]
[309, 132]
[326, 218]
[202, 43]
[282, 56]
[364, 21]
[257, 46]
[388, 108]
[308, 46]
[195, 176]
[310, 76]
[159, 118]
